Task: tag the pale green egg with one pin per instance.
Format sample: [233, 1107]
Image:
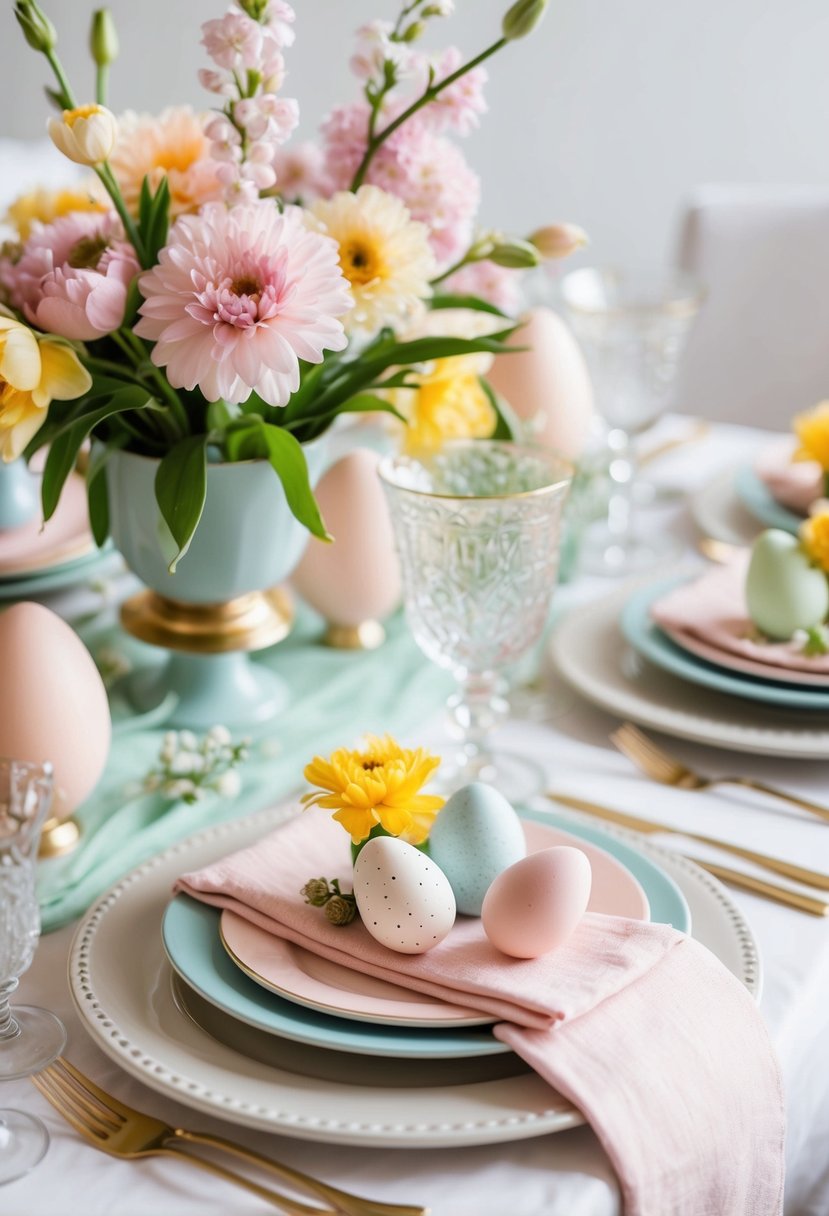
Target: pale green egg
[784, 591]
[476, 835]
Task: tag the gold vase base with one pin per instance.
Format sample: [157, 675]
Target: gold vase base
[59, 836]
[249, 622]
[368, 635]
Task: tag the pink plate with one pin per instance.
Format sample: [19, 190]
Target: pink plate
[27, 549]
[738, 662]
[305, 978]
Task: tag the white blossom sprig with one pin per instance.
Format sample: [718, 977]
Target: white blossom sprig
[190, 768]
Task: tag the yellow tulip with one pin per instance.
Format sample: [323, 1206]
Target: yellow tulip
[34, 370]
[85, 135]
[449, 402]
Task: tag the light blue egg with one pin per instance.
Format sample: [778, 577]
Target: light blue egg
[476, 835]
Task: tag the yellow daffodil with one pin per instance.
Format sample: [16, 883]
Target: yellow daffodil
[449, 402]
[47, 205]
[34, 369]
[85, 135]
[812, 430]
[814, 534]
[379, 785]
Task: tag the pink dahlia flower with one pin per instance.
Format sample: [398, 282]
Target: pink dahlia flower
[239, 297]
[73, 277]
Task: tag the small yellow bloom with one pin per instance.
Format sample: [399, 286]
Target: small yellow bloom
[377, 786]
[814, 534]
[812, 430]
[449, 402]
[34, 369]
[85, 135]
[45, 206]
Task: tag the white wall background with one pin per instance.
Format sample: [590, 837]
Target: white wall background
[607, 115]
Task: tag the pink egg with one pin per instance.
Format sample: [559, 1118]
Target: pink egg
[535, 904]
[54, 705]
[357, 578]
[548, 384]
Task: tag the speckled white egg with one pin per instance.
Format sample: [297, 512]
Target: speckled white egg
[784, 591]
[476, 835]
[535, 905]
[405, 900]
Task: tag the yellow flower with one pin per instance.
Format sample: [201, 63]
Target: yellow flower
[85, 135]
[812, 430]
[377, 786]
[47, 205]
[814, 534]
[384, 254]
[34, 369]
[171, 144]
[448, 403]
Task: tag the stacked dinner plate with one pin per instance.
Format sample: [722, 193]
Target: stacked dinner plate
[211, 1010]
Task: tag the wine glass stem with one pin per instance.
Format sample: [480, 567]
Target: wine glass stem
[622, 472]
[475, 710]
[9, 1028]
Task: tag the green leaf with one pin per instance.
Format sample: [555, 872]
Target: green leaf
[96, 489]
[156, 237]
[448, 300]
[66, 442]
[180, 491]
[260, 440]
[363, 403]
[508, 426]
[134, 302]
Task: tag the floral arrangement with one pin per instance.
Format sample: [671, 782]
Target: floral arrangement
[212, 292]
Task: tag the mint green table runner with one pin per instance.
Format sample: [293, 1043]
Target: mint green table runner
[335, 697]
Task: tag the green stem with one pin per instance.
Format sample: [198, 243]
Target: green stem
[464, 261]
[68, 98]
[106, 175]
[165, 389]
[429, 95]
[101, 75]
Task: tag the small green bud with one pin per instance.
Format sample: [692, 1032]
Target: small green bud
[316, 892]
[36, 26]
[103, 40]
[522, 18]
[255, 9]
[515, 254]
[341, 909]
[413, 32]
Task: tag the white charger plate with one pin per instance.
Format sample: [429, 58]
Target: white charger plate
[121, 985]
[588, 650]
[718, 511]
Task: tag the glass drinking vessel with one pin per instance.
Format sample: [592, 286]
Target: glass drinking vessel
[30, 1038]
[477, 528]
[632, 326]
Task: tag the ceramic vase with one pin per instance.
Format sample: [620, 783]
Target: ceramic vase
[19, 494]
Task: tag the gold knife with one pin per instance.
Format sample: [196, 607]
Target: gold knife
[812, 878]
[780, 895]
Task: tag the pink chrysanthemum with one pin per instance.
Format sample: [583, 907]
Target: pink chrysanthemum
[73, 276]
[239, 297]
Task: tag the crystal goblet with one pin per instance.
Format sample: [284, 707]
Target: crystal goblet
[30, 1038]
[477, 527]
[632, 325]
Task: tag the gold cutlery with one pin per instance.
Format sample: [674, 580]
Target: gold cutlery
[122, 1131]
[738, 878]
[720, 551]
[657, 764]
[698, 431]
[811, 878]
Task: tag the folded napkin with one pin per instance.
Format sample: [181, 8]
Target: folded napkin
[713, 609]
[795, 484]
[642, 1028]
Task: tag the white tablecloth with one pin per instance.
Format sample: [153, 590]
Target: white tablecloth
[558, 1175]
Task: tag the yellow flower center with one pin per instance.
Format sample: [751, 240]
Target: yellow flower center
[246, 285]
[179, 156]
[360, 262]
[70, 117]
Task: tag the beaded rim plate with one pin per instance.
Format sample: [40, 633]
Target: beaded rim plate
[124, 998]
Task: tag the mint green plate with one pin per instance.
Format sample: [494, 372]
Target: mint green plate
[648, 640]
[757, 498]
[67, 574]
[190, 932]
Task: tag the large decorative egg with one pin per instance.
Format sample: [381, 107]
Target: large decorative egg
[404, 899]
[548, 385]
[784, 591]
[476, 835]
[54, 705]
[357, 578]
[536, 904]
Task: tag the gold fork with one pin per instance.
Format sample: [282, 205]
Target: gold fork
[122, 1131]
[662, 767]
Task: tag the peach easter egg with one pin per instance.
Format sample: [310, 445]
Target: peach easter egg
[54, 705]
[357, 578]
[535, 904]
[548, 385]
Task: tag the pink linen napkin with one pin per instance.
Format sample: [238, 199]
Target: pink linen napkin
[642, 1028]
[795, 484]
[713, 609]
